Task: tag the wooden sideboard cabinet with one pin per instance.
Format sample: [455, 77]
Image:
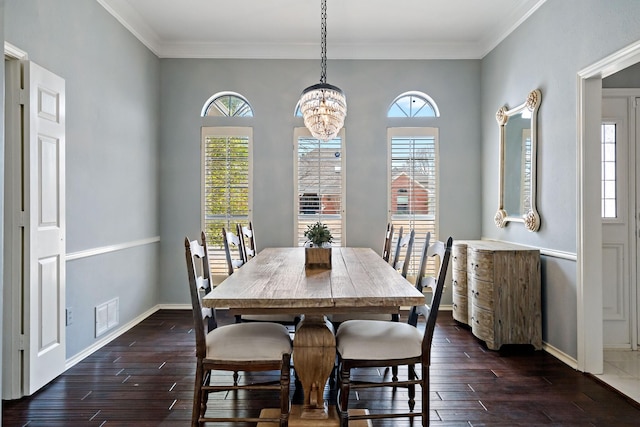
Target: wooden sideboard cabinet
[496, 291]
[461, 308]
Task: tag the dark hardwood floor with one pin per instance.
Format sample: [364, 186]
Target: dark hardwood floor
[145, 378]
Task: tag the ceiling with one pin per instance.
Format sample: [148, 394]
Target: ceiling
[356, 29]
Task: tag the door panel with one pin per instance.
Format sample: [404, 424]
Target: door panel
[44, 228]
[616, 230]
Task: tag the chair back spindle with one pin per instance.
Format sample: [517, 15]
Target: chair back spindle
[231, 244]
[388, 237]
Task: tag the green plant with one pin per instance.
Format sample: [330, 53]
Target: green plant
[318, 234]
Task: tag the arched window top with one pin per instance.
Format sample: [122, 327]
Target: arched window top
[413, 104]
[227, 104]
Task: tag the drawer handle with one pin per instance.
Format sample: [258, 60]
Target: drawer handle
[455, 283]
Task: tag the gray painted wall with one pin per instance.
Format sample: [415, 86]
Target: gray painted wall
[133, 143]
[273, 88]
[112, 111]
[546, 52]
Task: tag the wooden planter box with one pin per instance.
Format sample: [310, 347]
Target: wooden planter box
[319, 258]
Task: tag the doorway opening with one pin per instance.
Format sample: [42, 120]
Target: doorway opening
[589, 220]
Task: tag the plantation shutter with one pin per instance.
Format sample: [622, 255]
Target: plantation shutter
[413, 186]
[226, 187]
[319, 185]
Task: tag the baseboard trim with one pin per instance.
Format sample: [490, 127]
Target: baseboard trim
[562, 356]
[97, 345]
[174, 306]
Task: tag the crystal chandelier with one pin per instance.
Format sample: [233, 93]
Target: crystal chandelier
[322, 105]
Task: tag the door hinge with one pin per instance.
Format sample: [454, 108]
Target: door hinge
[21, 219]
[21, 344]
[22, 96]
[636, 103]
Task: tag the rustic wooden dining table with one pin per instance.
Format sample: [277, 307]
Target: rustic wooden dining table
[277, 282]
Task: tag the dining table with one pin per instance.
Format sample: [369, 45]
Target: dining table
[276, 281]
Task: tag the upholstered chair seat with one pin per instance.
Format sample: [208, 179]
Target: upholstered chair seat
[378, 340]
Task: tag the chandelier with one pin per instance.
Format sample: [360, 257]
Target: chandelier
[323, 106]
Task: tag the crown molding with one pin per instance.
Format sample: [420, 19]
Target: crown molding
[136, 24]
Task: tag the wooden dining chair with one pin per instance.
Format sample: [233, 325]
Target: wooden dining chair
[405, 242]
[247, 241]
[376, 344]
[232, 250]
[247, 347]
[230, 241]
[388, 238]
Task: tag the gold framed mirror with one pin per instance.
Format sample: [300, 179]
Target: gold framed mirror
[518, 146]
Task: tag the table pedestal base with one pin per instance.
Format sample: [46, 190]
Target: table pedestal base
[296, 421]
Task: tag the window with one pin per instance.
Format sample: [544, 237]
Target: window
[413, 189]
[609, 190]
[402, 200]
[319, 184]
[227, 104]
[413, 104]
[226, 154]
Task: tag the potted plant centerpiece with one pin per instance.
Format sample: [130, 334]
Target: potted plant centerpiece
[318, 247]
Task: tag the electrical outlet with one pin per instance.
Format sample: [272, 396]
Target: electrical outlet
[69, 314]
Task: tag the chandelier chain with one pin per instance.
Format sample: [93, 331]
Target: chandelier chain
[323, 42]
[323, 106]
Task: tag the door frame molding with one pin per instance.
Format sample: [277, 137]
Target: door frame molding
[12, 306]
[14, 52]
[589, 230]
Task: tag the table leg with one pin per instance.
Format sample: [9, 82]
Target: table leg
[314, 353]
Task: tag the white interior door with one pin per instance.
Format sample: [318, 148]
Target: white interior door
[35, 226]
[618, 221]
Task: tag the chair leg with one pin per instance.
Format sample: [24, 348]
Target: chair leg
[425, 396]
[285, 380]
[198, 404]
[395, 317]
[344, 384]
[412, 387]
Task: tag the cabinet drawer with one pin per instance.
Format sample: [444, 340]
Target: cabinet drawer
[459, 256]
[482, 324]
[460, 308]
[459, 281]
[480, 264]
[481, 293]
